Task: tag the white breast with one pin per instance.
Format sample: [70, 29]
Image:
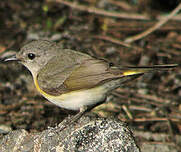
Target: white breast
[77, 99]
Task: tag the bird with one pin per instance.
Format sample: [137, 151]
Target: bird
[74, 80]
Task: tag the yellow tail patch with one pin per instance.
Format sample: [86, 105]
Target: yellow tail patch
[132, 72]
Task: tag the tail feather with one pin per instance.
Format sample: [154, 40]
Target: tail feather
[146, 69]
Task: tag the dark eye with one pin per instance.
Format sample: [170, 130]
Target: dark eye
[111, 64]
[31, 56]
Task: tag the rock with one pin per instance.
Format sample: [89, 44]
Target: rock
[4, 128]
[88, 134]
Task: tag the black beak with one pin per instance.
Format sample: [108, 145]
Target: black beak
[10, 58]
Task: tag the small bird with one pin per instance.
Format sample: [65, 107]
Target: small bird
[74, 80]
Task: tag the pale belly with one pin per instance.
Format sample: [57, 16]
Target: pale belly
[77, 99]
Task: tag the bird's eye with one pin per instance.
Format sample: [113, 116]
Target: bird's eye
[111, 64]
[31, 56]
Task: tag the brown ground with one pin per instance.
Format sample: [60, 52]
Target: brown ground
[149, 104]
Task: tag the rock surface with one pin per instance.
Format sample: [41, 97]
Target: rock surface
[89, 134]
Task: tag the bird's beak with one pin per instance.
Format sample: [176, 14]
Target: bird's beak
[10, 58]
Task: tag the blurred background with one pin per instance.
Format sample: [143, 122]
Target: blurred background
[151, 105]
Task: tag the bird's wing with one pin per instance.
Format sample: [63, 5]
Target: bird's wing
[93, 72]
[52, 76]
[56, 80]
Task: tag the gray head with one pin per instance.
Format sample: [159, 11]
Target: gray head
[35, 54]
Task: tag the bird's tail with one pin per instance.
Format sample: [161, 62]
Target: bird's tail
[128, 71]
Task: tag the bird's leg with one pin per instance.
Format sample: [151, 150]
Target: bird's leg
[82, 111]
[70, 121]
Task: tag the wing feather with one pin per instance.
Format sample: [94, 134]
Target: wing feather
[87, 74]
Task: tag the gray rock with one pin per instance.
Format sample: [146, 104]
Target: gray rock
[89, 134]
[4, 128]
